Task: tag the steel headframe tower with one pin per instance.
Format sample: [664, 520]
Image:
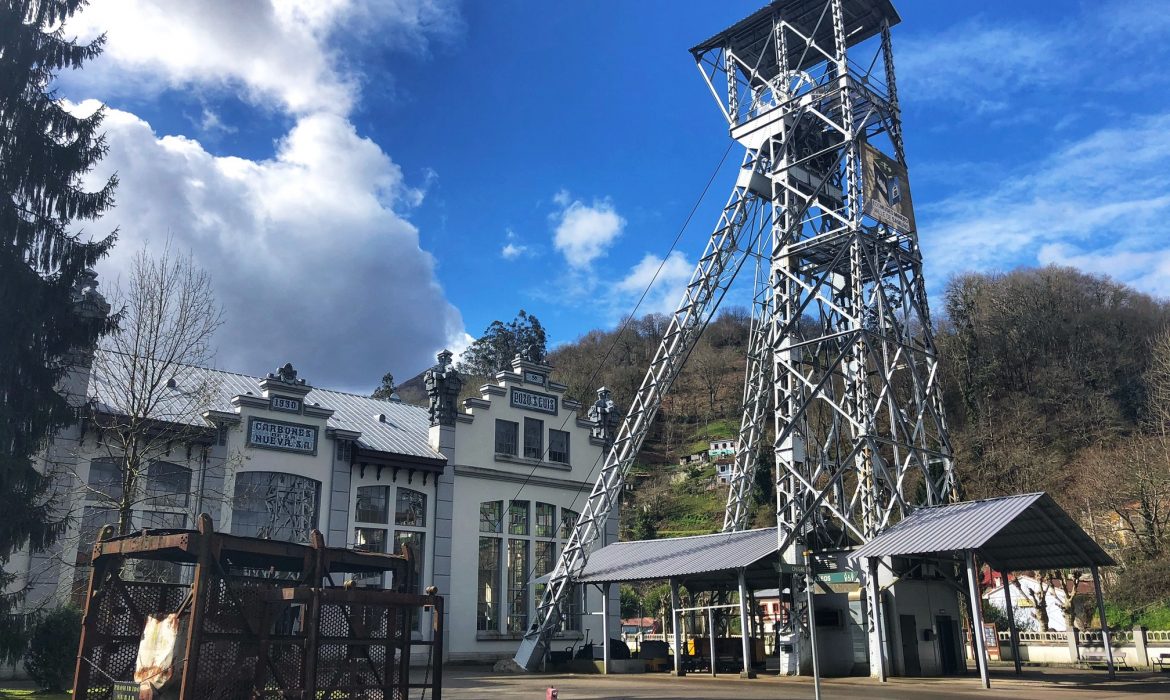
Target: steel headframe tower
[841, 352]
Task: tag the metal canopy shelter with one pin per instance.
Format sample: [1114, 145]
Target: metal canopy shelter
[746, 559]
[1013, 533]
[696, 560]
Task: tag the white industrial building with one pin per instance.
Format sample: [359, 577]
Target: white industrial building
[483, 491]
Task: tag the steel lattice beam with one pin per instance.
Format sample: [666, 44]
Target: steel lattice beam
[841, 349]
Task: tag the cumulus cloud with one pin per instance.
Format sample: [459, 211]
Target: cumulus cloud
[272, 53]
[513, 248]
[983, 65]
[309, 249]
[1099, 203]
[306, 251]
[585, 232]
[662, 281]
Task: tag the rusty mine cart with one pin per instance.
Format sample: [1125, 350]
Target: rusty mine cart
[259, 620]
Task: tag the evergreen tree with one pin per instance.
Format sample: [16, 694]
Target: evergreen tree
[386, 390]
[44, 263]
[494, 350]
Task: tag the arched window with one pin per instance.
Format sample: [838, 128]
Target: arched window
[275, 506]
[168, 485]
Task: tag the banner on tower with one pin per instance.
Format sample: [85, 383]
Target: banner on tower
[886, 189]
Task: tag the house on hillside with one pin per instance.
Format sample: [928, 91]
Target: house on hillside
[723, 468]
[721, 448]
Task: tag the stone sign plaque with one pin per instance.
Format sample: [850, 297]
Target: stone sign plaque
[286, 404]
[278, 435]
[533, 401]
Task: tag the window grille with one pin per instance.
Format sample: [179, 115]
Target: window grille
[506, 436]
[533, 438]
[558, 446]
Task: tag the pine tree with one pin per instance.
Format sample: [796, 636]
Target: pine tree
[44, 263]
[500, 342]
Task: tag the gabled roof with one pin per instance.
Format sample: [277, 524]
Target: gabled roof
[1013, 533]
[405, 430]
[680, 557]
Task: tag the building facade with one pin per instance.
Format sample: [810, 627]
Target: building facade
[480, 492]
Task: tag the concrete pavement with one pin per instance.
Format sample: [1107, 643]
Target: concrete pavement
[478, 682]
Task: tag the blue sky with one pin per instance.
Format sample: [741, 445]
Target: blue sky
[370, 182]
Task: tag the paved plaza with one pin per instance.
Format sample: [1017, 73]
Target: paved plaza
[476, 682]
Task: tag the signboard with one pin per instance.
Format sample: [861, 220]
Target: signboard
[838, 577]
[534, 377]
[991, 641]
[285, 403]
[533, 401]
[278, 435]
[792, 568]
[886, 190]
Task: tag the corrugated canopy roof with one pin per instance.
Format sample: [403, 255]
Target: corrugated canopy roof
[1013, 533]
[684, 557]
[405, 429]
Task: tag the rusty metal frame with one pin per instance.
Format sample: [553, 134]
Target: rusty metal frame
[239, 613]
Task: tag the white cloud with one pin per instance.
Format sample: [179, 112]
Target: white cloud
[513, 248]
[1099, 203]
[273, 53]
[309, 249]
[982, 66]
[585, 232]
[1148, 270]
[307, 253]
[666, 280]
[977, 63]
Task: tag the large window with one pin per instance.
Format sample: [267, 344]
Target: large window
[491, 516]
[568, 523]
[507, 433]
[373, 504]
[410, 508]
[518, 518]
[533, 438]
[168, 485]
[558, 446]
[105, 481]
[414, 540]
[488, 611]
[545, 554]
[546, 518]
[517, 585]
[369, 539]
[275, 506]
[511, 555]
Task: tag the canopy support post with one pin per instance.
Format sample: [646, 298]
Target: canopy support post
[605, 628]
[675, 632]
[876, 643]
[977, 619]
[1105, 641]
[1013, 633]
[711, 634]
[745, 628]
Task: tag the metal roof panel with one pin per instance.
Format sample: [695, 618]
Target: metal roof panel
[678, 556]
[1026, 531]
[405, 430]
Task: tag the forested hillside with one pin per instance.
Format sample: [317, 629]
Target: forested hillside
[1053, 380]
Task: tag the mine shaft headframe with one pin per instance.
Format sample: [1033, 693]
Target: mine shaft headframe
[781, 48]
